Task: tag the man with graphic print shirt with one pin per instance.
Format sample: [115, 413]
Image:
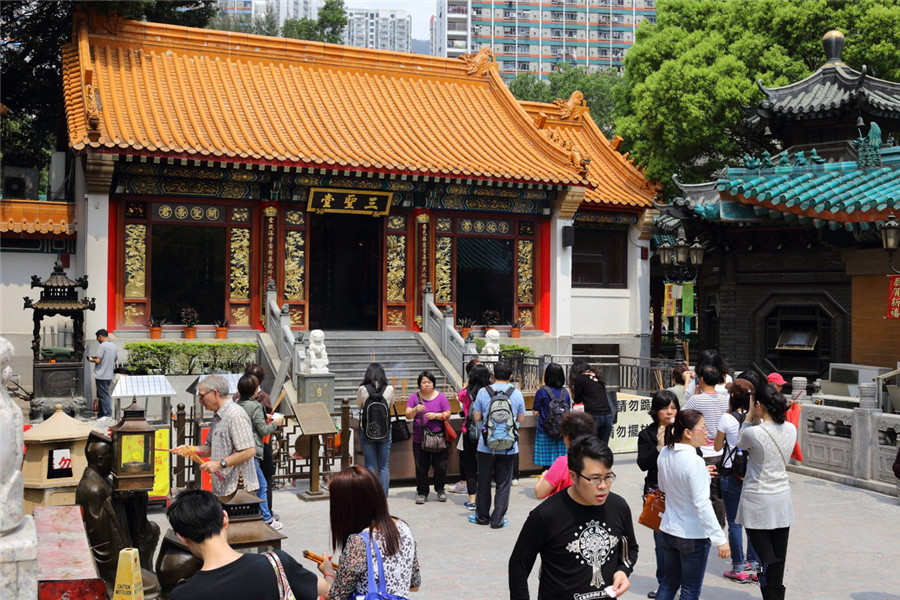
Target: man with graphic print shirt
[584, 534]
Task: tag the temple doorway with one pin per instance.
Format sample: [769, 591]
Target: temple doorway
[187, 269]
[485, 278]
[344, 266]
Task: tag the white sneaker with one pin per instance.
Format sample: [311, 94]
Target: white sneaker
[515, 482]
[276, 525]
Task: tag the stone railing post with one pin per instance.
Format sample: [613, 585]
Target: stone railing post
[798, 390]
[864, 435]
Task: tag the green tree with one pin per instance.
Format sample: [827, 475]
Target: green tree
[266, 23]
[688, 76]
[31, 65]
[301, 29]
[327, 28]
[226, 22]
[598, 89]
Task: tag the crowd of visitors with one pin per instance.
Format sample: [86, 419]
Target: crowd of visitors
[721, 458]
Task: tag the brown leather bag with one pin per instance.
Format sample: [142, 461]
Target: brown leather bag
[654, 507]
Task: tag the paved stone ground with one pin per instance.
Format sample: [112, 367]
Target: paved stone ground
[845, 543]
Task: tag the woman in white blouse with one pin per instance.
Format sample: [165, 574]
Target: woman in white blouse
[689, 524]
[766, 510]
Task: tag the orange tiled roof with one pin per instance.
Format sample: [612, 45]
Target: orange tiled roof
[32, 216]
[146, 88]
[615, 180]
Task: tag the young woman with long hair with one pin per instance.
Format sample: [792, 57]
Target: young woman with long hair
[651, 440]
[376, 453]
[358, 505]
[479, 377]
[547, 449]
[766, 510]
[589, 388]
[689, 523]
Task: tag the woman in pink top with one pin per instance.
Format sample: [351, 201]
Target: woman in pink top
[575, 424]
[479, 377]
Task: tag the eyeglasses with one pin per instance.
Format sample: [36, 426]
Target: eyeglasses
[598, 481]
[203, 395]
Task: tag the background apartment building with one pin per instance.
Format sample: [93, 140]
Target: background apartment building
[383, 29]
[284, 9]
[539, 36]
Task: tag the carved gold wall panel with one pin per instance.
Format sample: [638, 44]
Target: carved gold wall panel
[526, 315]
[135, 261]
[240, 263]
[134, 314]
[297, 314]
[396, 317]
[240, 315]
[396, 268]
[294, 217]
[294, 265]
[443, 267]
[525, 287]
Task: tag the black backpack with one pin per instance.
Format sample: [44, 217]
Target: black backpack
[375, 420]
[472, 427]
[558, 407]
[738, 457]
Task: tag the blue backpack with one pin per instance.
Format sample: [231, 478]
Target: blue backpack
[500, 432]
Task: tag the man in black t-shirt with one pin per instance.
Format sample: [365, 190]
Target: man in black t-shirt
[584, 534]
[199, 521]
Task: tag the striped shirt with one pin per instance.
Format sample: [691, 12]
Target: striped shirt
[232, 432]
[713, 406]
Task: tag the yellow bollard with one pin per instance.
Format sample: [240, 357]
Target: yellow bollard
[129, 585]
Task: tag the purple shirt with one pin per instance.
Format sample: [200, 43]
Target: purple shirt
[437, 404]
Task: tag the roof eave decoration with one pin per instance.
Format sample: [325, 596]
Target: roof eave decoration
[180, 93]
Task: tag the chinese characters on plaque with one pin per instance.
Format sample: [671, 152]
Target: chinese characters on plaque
[893, 302]
[632, 418]
[362, 202]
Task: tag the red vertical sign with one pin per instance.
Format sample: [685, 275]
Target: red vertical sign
[893, 302]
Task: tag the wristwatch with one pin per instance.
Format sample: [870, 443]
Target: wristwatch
[223, 464]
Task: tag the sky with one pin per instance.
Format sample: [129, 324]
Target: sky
[419, 10]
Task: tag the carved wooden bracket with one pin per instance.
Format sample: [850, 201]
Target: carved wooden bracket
[98, 172]
[567, 202]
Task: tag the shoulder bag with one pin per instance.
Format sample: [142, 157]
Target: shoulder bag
[432, 441]
[375, 591]
[399, 428]
[654, 507]
[284, 586]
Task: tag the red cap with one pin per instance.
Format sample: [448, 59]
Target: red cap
[776, 378]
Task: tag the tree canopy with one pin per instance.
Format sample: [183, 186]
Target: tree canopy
[688, 76]
[31, 64]
[598, 90]
[327, 28]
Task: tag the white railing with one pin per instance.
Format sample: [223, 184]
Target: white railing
[439, 327]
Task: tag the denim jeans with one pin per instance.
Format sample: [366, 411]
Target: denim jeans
[377, 458]
[660, 557]
[604, 427]
[103, 398]
[731, 494]
[685, 567]
[261, 492]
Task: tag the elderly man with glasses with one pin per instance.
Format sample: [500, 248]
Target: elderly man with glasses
[230, 444]
[584, 534]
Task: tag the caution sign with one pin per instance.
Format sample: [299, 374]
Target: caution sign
[129, 585]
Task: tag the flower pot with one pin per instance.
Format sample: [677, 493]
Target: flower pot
[190, 333]
[221, 333]
[465, 331]
[515, 332]
[155, 333]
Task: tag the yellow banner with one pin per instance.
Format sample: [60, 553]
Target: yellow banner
[669, 301]
[161, 465]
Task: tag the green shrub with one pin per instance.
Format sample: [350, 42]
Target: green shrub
[479, 344]
[516, 348]
[188, 358]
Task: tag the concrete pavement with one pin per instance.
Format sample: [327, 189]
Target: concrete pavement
[845, 542]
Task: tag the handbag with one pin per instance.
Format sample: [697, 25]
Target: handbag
[399, 428]
[432, 441]
[449, 432]
[375, 591]
[284, 586]
[654, 507]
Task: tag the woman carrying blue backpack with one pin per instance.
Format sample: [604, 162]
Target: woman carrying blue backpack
[551, 402]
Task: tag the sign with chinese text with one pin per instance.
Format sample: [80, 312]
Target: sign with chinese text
[687, 298]
[632, 418]
[60, 463]
[359, 202]
[669, 301]
[893, 303]
[161, 470]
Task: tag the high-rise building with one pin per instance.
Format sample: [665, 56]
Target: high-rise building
[538, 36]
[383, 29]
[284, 9]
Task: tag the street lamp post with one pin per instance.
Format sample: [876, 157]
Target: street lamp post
[681, 263]
[890, 239]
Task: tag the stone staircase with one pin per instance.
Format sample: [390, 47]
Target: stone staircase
[402, 354]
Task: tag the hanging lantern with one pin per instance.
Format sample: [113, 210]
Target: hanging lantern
[133, 440]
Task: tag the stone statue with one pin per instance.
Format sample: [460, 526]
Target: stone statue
[814, 156]
[785, 160]
[316, 356]
[799, 159]
[491, 350]
[750, 162]
[765, 160]
[106, 530]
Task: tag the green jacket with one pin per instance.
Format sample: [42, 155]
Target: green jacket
[258, 418]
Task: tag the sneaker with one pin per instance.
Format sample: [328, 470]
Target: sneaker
[469, 505]
[504, 524]
[736, 576]
[442, 497]
[420, 499]
[275, 524]
[515, 481]
[754, 577]
[474, 519]
[651, 594]
[458, 488]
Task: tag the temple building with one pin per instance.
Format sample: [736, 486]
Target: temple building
[795, 273]
[208, 163]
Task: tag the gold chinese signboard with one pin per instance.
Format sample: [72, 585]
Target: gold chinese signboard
[358, 202]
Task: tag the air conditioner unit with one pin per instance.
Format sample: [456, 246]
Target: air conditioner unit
[20, 183]
[853, 375]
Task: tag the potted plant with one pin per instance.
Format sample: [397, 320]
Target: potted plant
[515, 329]
[222, 329]
[465, 326]
[490, 318]
[156, 324]
[189, 319]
